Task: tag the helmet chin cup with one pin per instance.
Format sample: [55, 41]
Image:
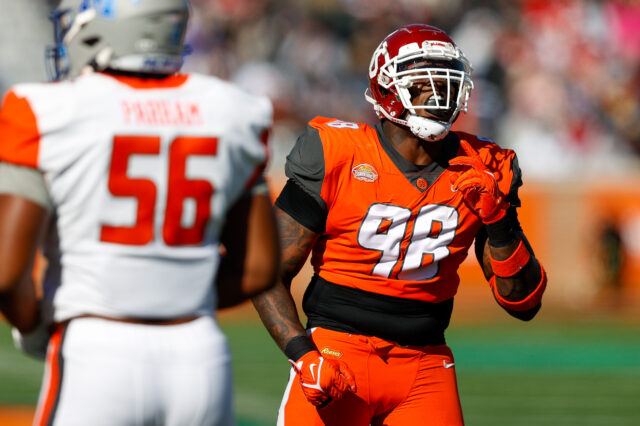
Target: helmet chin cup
[428, 129]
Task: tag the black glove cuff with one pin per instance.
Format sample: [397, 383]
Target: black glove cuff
[502, 232]
[297, 347]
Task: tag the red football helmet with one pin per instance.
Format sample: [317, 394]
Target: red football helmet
[425, 54]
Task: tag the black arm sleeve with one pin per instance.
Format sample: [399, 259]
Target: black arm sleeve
[507, 229]
[300, 198]
[512, 196]
[302, 207]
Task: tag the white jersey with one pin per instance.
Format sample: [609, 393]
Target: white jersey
[140, 174]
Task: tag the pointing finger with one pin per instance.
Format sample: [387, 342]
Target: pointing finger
[468, 149]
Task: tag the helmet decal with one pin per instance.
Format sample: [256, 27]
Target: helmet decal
[102, 7]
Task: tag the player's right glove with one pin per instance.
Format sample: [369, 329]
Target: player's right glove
[323, 379]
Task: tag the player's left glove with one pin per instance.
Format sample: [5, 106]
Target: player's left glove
[479, 186]
[323, 379]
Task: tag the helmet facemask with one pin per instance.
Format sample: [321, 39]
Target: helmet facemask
[57, 56]
[434, 87]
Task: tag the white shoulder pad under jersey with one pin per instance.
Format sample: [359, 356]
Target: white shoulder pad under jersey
[141, 174]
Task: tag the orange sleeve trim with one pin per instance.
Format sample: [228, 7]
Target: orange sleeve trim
[513, 264]
[19, 135]
[529, 302]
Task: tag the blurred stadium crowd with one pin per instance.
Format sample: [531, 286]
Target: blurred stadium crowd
[558, 80]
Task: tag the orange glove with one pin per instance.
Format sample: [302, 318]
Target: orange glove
[323, 379]
[479, 186]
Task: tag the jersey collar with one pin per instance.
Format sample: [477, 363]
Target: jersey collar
[415, 172]
[175, 80]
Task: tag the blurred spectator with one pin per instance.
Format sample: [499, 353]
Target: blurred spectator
[611, 257]
[562, 71]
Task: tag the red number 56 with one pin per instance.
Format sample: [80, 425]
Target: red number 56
[145, 191]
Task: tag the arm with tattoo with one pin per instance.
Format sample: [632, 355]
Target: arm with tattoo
[332, 378]
[276, 307]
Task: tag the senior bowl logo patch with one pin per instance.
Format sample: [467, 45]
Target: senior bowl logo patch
[331, 352]
[365, 172]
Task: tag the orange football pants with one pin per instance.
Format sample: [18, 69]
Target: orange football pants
[396, 385]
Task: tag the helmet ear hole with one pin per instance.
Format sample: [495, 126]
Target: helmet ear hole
[91, 41]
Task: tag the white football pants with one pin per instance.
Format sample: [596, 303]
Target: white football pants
[101, 372]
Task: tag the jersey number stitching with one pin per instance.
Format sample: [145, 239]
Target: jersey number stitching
[145, 191]
[384, 227]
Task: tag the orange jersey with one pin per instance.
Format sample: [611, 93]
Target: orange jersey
[387, 231]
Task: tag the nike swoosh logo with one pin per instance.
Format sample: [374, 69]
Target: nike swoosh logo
[313, 373]
[446, 365]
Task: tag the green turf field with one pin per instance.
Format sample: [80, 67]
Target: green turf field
[509, 373]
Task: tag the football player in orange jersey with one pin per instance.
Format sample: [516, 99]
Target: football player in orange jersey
[130, 177]
[388, 213]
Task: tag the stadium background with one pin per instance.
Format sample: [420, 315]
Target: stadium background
[558, 81]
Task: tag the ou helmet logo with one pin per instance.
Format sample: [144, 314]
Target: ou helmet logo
[381, 50]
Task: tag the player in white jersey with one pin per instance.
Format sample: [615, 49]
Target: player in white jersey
[143, 188]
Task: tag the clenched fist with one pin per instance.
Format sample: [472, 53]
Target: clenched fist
[322, 379]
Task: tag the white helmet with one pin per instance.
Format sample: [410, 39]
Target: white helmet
[419, 53]
[141, 36]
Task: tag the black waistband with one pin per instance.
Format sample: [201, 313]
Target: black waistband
[350, 310]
